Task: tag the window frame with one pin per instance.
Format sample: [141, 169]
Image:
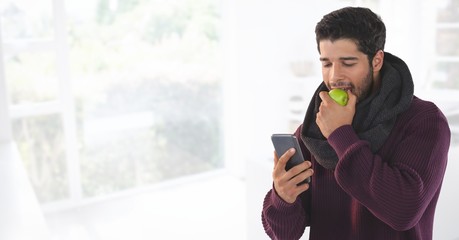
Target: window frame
[63, 105]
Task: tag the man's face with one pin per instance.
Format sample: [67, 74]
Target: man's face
[343, 66]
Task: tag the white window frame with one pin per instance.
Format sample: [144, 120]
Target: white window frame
[63, 105]
[5, 133]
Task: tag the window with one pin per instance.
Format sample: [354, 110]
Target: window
[447, 61]
[446, 64]
[110, 95]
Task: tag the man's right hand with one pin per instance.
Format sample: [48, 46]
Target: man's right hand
[285, 182]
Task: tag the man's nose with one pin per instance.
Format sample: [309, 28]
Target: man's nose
[336, 73]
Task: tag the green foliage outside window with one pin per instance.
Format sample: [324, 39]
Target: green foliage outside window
[159, 59]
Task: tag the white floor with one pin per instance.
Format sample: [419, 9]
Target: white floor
[207, 207]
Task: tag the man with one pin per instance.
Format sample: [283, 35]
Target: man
[376, 164]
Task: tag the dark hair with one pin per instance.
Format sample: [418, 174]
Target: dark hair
[356, 23]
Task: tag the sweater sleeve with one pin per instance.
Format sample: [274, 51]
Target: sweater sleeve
[282, 220]
[398, 189]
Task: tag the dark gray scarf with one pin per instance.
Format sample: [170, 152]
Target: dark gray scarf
[374, 118]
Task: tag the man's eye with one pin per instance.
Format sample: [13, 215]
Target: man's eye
[348, 64]
[326, 65]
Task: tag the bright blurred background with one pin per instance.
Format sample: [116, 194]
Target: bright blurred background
[151, 119]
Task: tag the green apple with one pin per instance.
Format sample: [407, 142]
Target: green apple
[339, 95]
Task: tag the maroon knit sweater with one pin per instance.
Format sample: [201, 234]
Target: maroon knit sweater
[390, 194]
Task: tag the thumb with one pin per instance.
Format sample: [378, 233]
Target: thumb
[276, 159]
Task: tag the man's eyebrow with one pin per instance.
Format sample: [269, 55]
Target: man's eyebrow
[324, 59]
[348, 58]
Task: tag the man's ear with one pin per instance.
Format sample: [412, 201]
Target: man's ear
[378, 61]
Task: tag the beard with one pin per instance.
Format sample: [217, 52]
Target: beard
[366, 88]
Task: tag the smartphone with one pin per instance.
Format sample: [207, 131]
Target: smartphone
[282, 143]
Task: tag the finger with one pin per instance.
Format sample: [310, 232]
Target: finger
[287, 155]
[303, 176]
[276, 169]
[352, 101]
[276, 159]
[299, 168]
[302, 188]
[324, 96]
[282, 161]
[296, 190]
[279, 166]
